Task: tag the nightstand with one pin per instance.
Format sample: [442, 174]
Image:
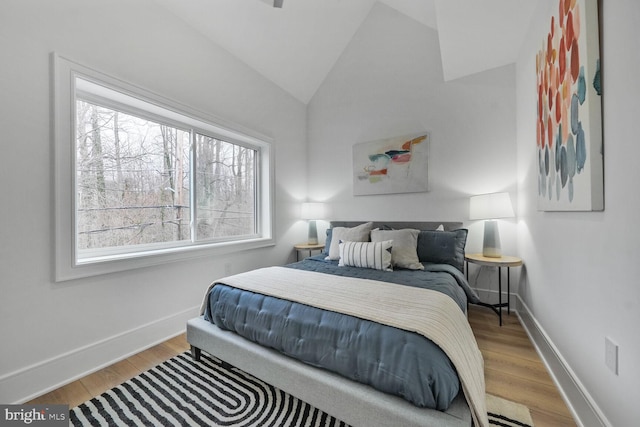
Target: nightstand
[307, 247]
[503, 261]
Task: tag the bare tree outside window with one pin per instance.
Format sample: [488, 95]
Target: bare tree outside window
[225, 182]
[141, 179]
[132, 186]
[133, 182]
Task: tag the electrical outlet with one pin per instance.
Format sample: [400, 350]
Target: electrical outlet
[611, 355]
[227, 268]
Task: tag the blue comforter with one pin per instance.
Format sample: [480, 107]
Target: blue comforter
[391, 360]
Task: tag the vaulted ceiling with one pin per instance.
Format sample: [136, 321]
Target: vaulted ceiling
[297, 45]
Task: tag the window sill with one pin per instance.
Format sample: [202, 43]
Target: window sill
[112, 264]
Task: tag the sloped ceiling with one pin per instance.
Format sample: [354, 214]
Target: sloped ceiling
[297, 45]
[479, 35]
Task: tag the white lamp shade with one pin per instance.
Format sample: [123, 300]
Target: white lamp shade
[313, 210]
[490, 206]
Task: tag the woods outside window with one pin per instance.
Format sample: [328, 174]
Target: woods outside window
[150, 179]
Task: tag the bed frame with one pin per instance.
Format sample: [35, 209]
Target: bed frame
[352, 402]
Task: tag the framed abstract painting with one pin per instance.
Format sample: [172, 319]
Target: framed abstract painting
[391, 166]
[569, 111]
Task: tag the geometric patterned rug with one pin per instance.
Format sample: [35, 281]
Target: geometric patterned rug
[183, 392]
[208, 392]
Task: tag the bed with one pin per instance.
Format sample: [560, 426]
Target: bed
[363, 382]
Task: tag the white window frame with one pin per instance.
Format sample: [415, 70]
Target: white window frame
[67, 263]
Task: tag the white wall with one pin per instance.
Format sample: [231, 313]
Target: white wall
[51, 332]
[582, 269]
[389, 82]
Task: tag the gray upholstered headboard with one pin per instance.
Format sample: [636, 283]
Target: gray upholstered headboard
[397, 225]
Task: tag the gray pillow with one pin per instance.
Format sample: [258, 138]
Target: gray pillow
[353, 234]
[443, 247]
[405, 243]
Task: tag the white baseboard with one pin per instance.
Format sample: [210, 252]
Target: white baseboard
[582, 406]
[32, 381]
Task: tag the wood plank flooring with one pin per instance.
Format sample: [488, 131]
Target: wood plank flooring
[513, 370]
[100, 381]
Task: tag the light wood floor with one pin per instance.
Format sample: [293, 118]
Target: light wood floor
[513, 370]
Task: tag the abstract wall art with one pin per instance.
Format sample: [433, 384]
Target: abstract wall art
[569, 111]
[391, 166]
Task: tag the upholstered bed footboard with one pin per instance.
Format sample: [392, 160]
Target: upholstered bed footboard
[349, 401]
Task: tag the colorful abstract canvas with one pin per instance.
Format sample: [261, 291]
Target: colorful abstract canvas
[569, 111]
[391, 166]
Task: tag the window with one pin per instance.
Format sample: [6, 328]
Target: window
[150, 180]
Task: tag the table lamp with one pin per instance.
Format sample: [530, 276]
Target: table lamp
[491, 207]
[312, 211]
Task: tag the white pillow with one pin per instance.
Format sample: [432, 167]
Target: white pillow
[404, 253]
[354, 234]
[366, 255]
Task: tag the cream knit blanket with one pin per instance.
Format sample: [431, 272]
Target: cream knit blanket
[429, 313]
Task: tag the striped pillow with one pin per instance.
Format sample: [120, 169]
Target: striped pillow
[366, 254]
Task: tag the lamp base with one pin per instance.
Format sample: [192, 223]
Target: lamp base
[491, 244]
[312, 239]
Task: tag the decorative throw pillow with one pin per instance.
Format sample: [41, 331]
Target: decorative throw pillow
[359, 233]
[443, 247]
[404, 253]
[327, 242]
[366, 255]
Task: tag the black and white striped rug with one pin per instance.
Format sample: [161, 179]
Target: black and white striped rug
[183, 392]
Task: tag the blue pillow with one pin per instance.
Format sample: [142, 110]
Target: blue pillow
[327, 243]
[443, 247]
